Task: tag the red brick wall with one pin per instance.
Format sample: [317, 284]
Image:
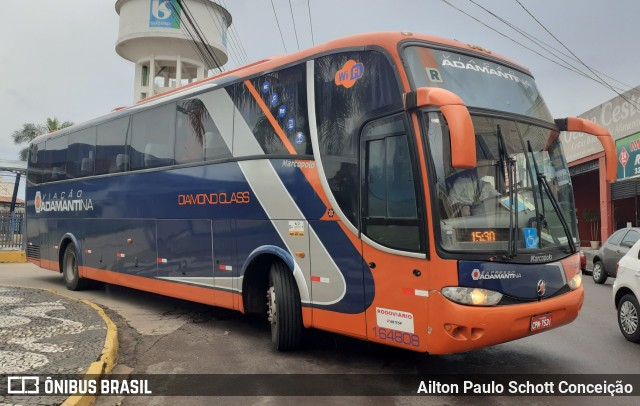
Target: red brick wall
[587, 194]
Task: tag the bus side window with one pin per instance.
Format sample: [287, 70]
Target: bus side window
[274, 107]
[110, 146]
[55, 165]
[197, 136]
[33, 175]
[152, 138]
[81, 153]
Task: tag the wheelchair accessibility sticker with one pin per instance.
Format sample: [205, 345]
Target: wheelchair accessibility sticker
[531, 238]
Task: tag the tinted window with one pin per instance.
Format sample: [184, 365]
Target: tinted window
[616, 237]
[350, 88]
[111, 156]
[81, 153]
[34, 172]
[631, 238]
[390, 212]
[479, 82]
[274, 106]
[197, 136]
[55, 160]
[152, 138]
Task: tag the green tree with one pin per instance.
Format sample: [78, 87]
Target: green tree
[29, 131]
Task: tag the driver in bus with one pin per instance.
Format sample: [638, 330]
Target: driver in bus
[468, 193]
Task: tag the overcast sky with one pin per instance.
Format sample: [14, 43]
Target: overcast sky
[57, 58]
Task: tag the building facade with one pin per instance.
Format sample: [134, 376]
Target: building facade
[610, 205]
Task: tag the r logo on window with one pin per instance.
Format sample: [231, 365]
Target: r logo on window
[434, 75]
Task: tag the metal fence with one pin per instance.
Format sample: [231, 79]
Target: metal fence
[12, 228]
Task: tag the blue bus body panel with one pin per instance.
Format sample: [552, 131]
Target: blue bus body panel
[187, 248]
[204, 221]
[518, 281]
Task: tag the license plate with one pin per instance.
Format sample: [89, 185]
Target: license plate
[541, 322]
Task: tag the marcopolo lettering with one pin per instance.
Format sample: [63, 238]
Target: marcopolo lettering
[287, 163]
[541, 258]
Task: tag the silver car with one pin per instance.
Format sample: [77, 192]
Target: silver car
[617, 245]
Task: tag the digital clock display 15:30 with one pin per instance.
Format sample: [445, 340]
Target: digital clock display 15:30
[482, 236]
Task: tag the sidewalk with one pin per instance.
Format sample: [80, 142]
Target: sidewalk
[44, 333]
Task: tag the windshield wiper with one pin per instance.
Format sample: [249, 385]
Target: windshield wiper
[509, 165]
[539, 219]
[542, 180]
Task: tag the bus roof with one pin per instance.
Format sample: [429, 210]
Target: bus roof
[388, 40]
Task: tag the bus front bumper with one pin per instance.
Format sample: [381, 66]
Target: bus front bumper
[456, 328]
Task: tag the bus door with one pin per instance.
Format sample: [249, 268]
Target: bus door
[393, 236]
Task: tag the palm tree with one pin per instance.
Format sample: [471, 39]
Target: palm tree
[29, 131]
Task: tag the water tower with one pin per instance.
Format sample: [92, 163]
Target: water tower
[154, 35]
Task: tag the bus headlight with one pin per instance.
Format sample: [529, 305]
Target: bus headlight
[576, 281]
[472, 296]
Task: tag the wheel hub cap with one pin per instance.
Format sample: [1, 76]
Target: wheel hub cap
[628, 318]
[596, 271]
[271, 305]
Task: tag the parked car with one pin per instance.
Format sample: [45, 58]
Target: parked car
[626, 291]
[583, 261]
[616, 246]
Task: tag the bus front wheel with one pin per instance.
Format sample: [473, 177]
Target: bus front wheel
[70, 270]
[283, 308]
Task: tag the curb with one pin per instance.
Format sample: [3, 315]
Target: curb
[13, 257]
[108, 356]
[107, 359]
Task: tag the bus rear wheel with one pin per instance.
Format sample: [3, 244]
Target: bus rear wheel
[72, 278]
[284, 309]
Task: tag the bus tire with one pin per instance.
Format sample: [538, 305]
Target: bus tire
[72, 278]
[599, 274]
[628, 313]
[283, 308]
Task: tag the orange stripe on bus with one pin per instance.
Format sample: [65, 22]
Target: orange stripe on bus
[424, 181]
[48, 264]
[166, 288]
[271, 118]
[307, 317]
[353, 325]
[311, 174]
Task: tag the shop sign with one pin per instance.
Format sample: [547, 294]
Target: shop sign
[620, 115]
[628, 153]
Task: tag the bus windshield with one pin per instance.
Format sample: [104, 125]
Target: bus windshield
[519, 198]
[479, 82]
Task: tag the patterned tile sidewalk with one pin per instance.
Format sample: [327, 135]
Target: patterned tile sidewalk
[44, 333]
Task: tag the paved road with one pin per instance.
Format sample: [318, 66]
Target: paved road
[163, 335]
[44, 333]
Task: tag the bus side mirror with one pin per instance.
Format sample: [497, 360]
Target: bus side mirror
[582, 125]
[461, 133]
